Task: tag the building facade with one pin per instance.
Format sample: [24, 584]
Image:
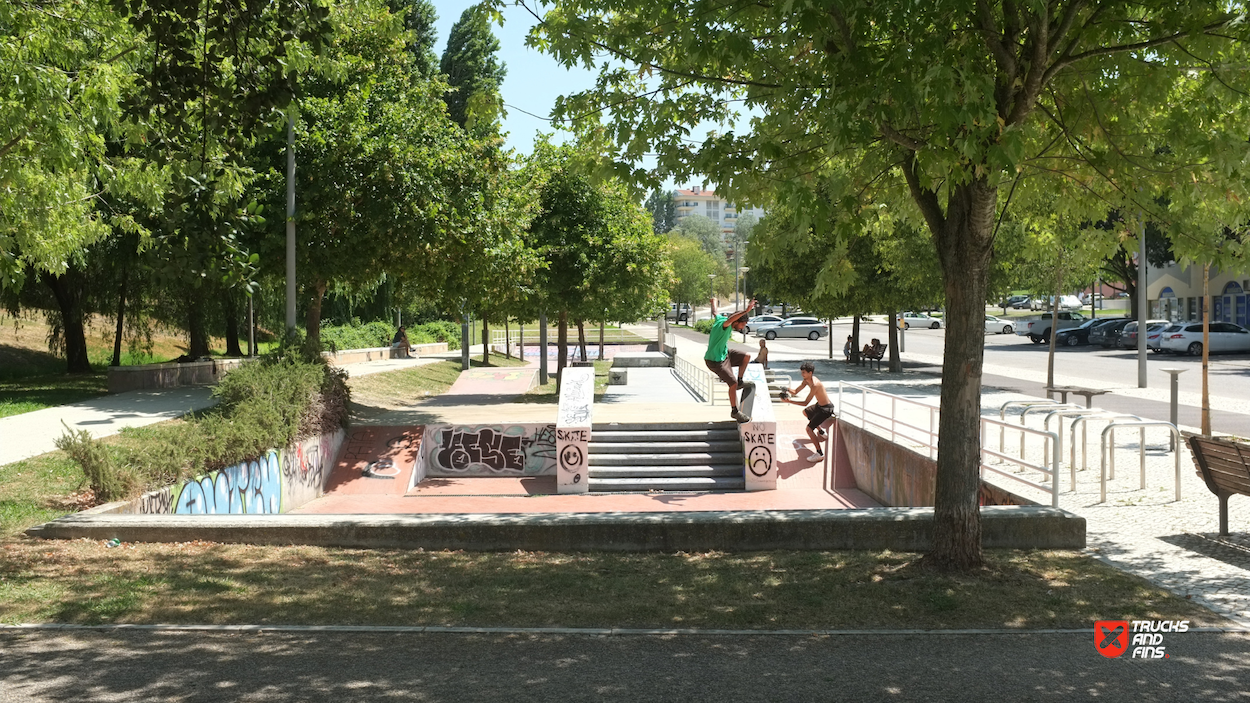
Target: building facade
[697, 201]
[1176, 294]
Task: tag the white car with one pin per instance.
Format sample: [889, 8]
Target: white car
[920, 319]
[996, 325]
[1186, 338]
[808, 327]
[760, 321]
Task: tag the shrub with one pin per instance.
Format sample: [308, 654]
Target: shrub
[379, 334]
[264, 405]
[107, 481]
[704, 326]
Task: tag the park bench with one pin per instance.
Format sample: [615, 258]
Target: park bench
[1225, 467]
[869, 357]
[1087, 393]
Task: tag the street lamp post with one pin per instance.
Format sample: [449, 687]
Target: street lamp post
[737, 247]
[742, 274]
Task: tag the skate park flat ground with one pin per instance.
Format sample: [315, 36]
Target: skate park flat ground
[802, 485]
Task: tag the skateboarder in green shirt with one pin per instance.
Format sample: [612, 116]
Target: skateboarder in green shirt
[722, 360]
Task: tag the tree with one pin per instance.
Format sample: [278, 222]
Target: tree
[419, 19]
[706, 232]
[663, 208]
[473, 69]
[1009, 102]
[691, 267]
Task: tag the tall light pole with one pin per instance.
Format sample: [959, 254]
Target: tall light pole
[738, 245]
[1143, 307]
[290, 221]
[742, 273]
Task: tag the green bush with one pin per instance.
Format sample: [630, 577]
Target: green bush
[379, 334]
[264, 405]
[106, 480]
[704, 326]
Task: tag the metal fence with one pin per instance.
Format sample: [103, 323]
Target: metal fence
[879, 412]
[700, 382]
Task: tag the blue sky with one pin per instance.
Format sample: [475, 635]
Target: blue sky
[534, 80]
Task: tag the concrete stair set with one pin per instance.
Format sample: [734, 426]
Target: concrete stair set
[674, 456]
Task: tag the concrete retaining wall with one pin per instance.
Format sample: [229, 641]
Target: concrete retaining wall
[171, 375]
[355, 356]
[903, 529]
[901, 477]
[279, 481]
[514, 449]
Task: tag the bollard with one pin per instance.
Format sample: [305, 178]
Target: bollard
[1174, 373]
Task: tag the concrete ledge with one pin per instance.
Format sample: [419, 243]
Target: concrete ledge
[901, 529]
[356, 356]
[170, 375]
[647, 359]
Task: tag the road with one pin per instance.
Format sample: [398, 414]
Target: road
[1011, 361]
[274, 667]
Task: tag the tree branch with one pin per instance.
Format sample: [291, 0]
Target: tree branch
[1121, 48]
[899, 138]
[926, 200]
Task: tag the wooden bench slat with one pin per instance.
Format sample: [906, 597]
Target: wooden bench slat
[1233, 466]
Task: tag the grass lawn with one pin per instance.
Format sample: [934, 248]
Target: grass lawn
[22, 395]
[393, 388]
[547, 393]
[86, 582]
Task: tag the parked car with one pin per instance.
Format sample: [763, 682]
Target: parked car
[1106, 335]
[1016, 302]
[1066, 302]
[1154, 335]
[678, 314]
[763, 321]
[1075, 336]
[920, 319]
[808, 327]
[1128, 335]
[1225, 337]
[995, 325]
[1038, 331]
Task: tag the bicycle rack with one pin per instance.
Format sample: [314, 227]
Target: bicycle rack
[1067, 412]
[1024, 414]
[1143, 424]
[1002, 416]
[1084, 435]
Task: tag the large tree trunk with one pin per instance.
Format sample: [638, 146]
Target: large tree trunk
[562, 347]
[855, 334]
[68, 291]
[602, 325]
[581, 338]
[312, 321]
[1054, 326]
[230, 307]
[197, 332]
[964, 237]
[485, 342]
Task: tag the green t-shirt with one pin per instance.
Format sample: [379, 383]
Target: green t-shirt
[718, 339]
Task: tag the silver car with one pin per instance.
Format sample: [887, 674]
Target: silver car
[762, 321]
[1186, 338]
[808, 327]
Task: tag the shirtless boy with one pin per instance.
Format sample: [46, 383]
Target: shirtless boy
[816, 414]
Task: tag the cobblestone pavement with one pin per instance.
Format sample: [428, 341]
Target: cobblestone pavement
[1145, 531]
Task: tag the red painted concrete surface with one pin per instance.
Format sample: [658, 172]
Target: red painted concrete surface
[801, 485]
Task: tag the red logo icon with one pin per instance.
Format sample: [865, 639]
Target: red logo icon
[1111, 637]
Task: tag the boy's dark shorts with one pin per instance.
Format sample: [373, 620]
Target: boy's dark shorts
[817, 414]
[725, 369]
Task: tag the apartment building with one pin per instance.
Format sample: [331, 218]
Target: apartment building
[697, 201]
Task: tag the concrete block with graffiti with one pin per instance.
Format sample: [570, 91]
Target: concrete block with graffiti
[279, 481]
[573, 425]
[759, 436]
[488, 450]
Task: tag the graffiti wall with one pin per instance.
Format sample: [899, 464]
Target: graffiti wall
[279, 481]
[488, 450]
[573, 424]
[759, 437]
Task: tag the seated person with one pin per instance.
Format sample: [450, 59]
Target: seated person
[399, 345]
[762, 356]
[873, 350]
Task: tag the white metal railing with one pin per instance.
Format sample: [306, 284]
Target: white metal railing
[927, 438]
[702, 383]
[1111, 427]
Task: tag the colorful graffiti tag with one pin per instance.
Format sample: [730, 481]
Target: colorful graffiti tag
[260, 486]
[491, 450]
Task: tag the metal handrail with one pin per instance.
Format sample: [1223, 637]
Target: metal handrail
[1111, 427]
[871, 418]
[699, 381]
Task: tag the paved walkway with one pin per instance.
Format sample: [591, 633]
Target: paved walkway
[34, 433]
